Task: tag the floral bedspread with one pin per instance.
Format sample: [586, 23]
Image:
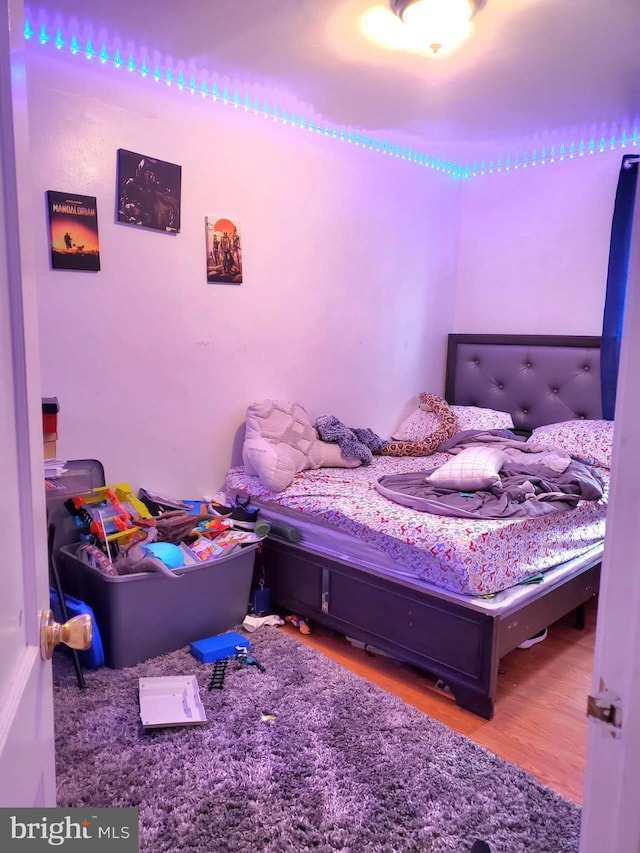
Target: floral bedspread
[473, 557]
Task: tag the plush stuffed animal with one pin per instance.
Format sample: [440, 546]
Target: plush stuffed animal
[176, 525]
[363, 444]
[431, 442]
[134, 558]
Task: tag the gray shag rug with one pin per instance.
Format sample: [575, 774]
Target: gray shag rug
[340, 766]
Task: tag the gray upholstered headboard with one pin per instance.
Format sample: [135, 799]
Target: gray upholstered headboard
[539, 379]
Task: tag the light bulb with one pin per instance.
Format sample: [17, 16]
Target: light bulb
[442, 22]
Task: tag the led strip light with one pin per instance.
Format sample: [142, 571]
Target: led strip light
[232, 96]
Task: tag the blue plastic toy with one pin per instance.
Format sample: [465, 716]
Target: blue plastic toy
[169, 554]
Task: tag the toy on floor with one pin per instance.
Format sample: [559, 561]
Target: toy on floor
[216, 682]
[244, 659]
[218, 647]
[301, 624]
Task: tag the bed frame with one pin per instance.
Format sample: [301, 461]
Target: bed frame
[538, 379]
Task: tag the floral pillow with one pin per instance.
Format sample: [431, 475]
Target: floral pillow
[421, 423]
[591, 441]
[472, 469]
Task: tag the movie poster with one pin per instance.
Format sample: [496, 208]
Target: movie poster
[73, 231]
[224, 251]
[148, 191]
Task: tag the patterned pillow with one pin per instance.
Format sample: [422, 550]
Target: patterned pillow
[471, 469]
[590, 441]
[421, 423]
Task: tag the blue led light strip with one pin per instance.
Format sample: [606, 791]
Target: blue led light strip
[548, 155]
[217, 91]
[220, 92]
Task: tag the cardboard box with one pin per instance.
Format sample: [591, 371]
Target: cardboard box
[50, 444]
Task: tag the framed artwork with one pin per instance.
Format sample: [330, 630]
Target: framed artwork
[224, 251]
[73, 231]
[148, 191]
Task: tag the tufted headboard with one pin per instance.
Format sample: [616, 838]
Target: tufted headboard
[539, 379]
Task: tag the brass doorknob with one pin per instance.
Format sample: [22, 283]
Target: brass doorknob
[76, 633]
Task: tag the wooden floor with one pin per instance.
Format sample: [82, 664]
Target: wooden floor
[540, 721]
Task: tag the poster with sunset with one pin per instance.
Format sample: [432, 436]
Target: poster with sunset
[73, 231]
[224, 251]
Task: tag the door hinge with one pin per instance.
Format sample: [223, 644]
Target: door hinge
[606, 707]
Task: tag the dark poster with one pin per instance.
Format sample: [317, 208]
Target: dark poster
[148, 191]
[73, 231]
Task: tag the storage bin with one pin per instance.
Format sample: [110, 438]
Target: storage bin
[145, 615]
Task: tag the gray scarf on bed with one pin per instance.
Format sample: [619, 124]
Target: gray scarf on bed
[354, 443]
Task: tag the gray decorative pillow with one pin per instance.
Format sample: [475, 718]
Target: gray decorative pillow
[470, 470]
[280, 441]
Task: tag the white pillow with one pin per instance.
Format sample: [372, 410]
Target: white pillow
[420, 424]
[280, 441]
[470, 470]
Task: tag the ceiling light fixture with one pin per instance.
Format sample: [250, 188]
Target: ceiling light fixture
[443, 22]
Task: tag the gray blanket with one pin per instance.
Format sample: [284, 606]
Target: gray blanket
[534, 480]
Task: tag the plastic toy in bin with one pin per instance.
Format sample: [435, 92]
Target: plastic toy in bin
[108, 512]
[211, 527]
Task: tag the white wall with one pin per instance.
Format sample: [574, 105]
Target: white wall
[348, 264]
[534, 248]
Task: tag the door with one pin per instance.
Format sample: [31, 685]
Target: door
[27, 759]
[611, 817]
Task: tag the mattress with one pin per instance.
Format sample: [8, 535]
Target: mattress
[468, 557]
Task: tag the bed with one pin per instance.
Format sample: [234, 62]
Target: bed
[367, 584]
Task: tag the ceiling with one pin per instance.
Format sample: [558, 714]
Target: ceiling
[528, 68]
